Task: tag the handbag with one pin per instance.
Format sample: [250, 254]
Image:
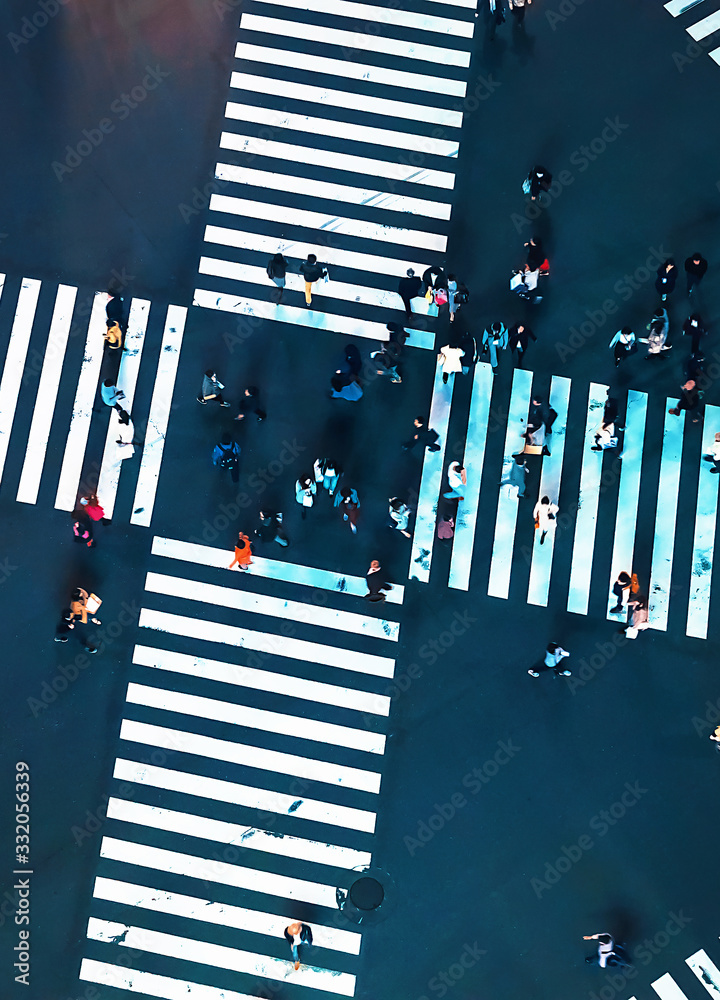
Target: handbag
[526, 186]
[631, 632]
[93, 603]
[429, 295]
[537, 522]
[440, 297]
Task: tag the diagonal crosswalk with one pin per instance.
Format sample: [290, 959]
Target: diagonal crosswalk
[708, 25]
[705, 970]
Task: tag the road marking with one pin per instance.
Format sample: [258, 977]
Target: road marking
[588, 498]
[704, 538]
[706, 971]
[87, 391]
[273, 607]
[665, 519]
[708, 25]
[676, 7]
[159, 415]
[381, 15]
[249, 756]
[262, 680]
[246, 796]
[47, 392]
[15, 358]
[715, 55]
[466, 519]
[667, 989]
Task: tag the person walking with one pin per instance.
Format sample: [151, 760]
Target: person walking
[243, 552]
[82, 604]
[693, 327]
[497, 14]
[311, 272]
[515, 475]
[666, 277]
[305, 490]
[715, 737]
[458, 295]
[386, 364]
[457, 481]
[538, 180]
[92, 509]
[639, 616]
[349, 503]
[624, 582]
[518, 339]
[226, 455]
[270, 528]
[250, 403]
[695, 268]
[545, 516]
[535, 254]
[352, 360]
[67, 624]
[327, 474]
[125, 440]
[345, 386]
[115, 309]
[658, 327]
[409, 288]
[376, 582]
[495, 338]
[539, 425]
[210, 391]
[110, 394]
[113, 335]
[434, 277]
[518, 9]
[608, 953]
[276, 270]
[690, 401]
[400, 516]
[449, 357]
[297, 934]
[714, 455]
[83, 533]
[423, 435]
[469, 347]
[554, 655]
[623, 345]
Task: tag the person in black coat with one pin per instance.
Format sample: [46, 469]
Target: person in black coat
[518, 338]
[535, 254]
[693, 327]
[250, 403]
[276, 270]
[423, 435]
[540, 179]
[666, 277]
[409, 287]
[434, 277]
[352, 364]
[297, 934]
[470, 349]
[695, 268]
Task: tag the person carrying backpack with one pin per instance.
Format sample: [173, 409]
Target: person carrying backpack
[226, 456]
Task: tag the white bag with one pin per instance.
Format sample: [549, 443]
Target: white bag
[631, 632]
[526, 186]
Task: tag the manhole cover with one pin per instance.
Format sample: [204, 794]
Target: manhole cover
[367, 893]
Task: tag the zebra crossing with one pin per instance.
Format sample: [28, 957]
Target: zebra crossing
[57, 339]
[700, 30]
[704, 969]
[341, 137]
[245, 787]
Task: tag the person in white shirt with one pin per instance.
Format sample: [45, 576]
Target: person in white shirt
[554, 655]
[297, 934]
[125, 440]
[400, 516]
[623, 344]
[545, 515]
[450, 356]
[457, 481]
[714, 455]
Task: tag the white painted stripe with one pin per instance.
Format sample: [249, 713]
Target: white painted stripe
[587, 506]
[715, 54]
[704, 538]
[346, 162]
[431, 481]
[122, 977]
[708, 25]
[85, 396]
[287, 685]
[2, 283]
[251, 837]
[341, 130]
[159, 415]
[367, 197]
[127, 380]
[470, 4]
[46, 398]
[355, 40]
[266, 642]
[247, 796]
[381, 15]
[667, 989]
[274, 607]
[219, 914]
[550, 477]
[676, 7]
[15, 357]
[466, 520]
[506, 520]
[628, 494]
[271, 569]
[665, 519]
[249, 756]
[255, 718]
[706, 971]
[350, 70]
[219, 956]
[219, 872]
[379, 297]
[327, 223]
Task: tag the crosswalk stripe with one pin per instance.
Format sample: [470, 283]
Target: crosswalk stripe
[291, 153]
[706, 971]
[381, 15]
[466, 520]
[666, 519]
[275, 607]
[202, 827]
[271, 569]
[219, 956]
[587, 506]
[708, 25]
[249, 756]
[219, 872]
[2, 283]
[46, 398]
[370, 134]
[255, 718]
[314, 810]
[704, 537]
[676, 7]
[667, 989]
[159, 415]
[628, 493]
[127, 380]
[355, 40]
[507, 509]
[715, 55]
[329, 191]
[276, 645]
[15, 357]
[469, 4]
[123, 977]
[87, 390]
[550, 476]
[431, 481]
[262, 680]
[220, 914]
[350, 70]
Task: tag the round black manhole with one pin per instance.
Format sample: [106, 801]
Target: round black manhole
[367, 893]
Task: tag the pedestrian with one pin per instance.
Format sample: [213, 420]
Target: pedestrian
[695, 367]
[327, 474]
[352, 360]
[113, 335]
[396, 339]
[693, 327]
[554, 655]
[422, 435]
[92, 508]
[400, 516]
[715, 737]
[243, 553]
[495, 338]
[250, 403]
[457, 481]
[276, 270]
[539, 425]
[666, 277]
[83, 533]
[305, 490]
[608, 953]
[68, 624]
[449, 357]
[110, 394]
[125, 440]
[714, 455]
[469, 347]
[311, 272]
[611, 413]
[518, 9]
[545, 515]
[695, 268]
[386, 364]
[525, 285]
[345, 386]
[514, 475]
[211, 389]
[518, 339]
[605, 437]
[658, 327]
[535, 254]
[497, 12]
[83, 604]
[376, 582]
[625, 581]
[538, 180]
[446, 528]
[115, 309]
[458, 295]
[434, 277]
[349, 503]
[270, 528]
[226, 455]
[690, 400]
[639, 615]
[410, 288]
[623, 345]
[298, 934]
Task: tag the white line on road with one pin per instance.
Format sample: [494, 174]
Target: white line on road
[706, 971]
[132, 980]
[15, 357]
[708, 26]
[667, 989]
[381, 15]
[704, 537]
[665, 519]
[676, 7]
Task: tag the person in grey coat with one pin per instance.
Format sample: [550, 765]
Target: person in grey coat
[495, 338]
[516, 475]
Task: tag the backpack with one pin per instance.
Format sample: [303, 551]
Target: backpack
[227, 459]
